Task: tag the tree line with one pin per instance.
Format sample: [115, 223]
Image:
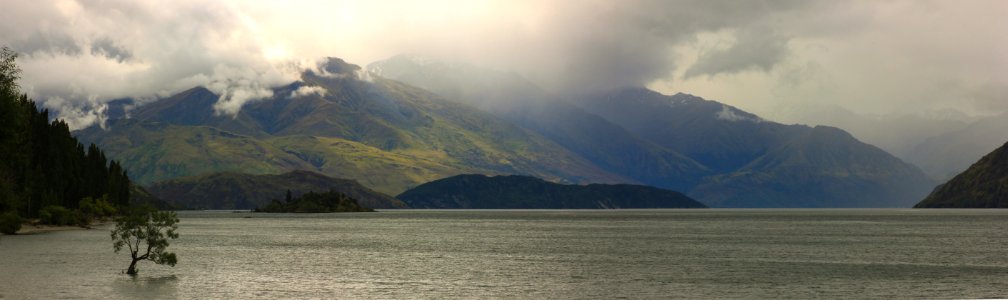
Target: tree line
[312, 202]
[43, 168]
[46, 173]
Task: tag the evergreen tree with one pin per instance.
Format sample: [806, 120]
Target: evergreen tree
[41, 163]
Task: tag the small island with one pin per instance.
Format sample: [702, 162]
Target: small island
[311, 202]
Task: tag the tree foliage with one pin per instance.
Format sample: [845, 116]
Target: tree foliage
[10, 223]
[311, 202]
[58, 215]
[41, 163]
[145, 233]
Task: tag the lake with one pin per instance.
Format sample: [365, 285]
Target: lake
[711, 253]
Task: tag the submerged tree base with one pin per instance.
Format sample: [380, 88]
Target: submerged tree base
[145, 233]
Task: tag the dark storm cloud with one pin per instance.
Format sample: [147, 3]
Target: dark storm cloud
[107, 48]
[48, 43]
[759, 50]
[618, 44]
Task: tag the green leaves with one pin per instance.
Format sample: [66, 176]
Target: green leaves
[146, 232]
[311, 202]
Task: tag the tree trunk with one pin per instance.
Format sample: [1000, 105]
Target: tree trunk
[132, 268]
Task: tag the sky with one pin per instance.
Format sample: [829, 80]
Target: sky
[870, 57]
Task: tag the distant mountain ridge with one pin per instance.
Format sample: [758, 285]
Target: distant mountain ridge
[244, 191]
[523, 192]
[942, 143]
[983, 185]
[388, 135]
[515, 99]
[714, 152]
[762, 163]
[391, 136]
[952, 152]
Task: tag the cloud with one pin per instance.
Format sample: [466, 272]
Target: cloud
[990, 96]
[760, 50]
[78, 54]
[308, 90]
[748, 53]
[77, 115]
[106, 47]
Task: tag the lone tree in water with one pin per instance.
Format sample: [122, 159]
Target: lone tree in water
[145, 232]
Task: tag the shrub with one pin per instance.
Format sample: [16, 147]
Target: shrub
[10, 223]
[96, 208]
[58, 215]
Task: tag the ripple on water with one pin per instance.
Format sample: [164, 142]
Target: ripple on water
[535, 254]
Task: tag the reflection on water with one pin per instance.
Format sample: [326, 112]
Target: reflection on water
[535, 254]
[139, 287]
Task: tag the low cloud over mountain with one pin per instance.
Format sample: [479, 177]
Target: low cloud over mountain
[872, 57]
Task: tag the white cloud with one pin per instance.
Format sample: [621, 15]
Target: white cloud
[871, 56]
[308, 90]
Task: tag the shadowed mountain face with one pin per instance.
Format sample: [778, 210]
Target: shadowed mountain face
[243, 191]
[392, 136]
[761, 163]
[719, 154]
[383, 133]
[983, 185]
[511, 97]
[523, 192]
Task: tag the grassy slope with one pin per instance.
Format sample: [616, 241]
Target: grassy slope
[157, 151]
[388, 135]
[983, 185]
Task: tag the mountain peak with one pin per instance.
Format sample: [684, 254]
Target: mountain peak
[335, 65]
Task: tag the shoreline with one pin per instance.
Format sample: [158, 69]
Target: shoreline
[29, 229]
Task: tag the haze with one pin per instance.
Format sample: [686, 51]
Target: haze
[868, 57]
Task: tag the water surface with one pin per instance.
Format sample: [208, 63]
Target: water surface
[711, 253]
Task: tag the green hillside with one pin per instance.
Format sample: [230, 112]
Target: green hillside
[388, 135]
[231, 190]
[523, 192]
[983, 185]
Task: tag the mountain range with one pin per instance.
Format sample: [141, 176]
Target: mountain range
[718, 154]
[942, 143]
[388, 135]
[406, 123]
[950, 153]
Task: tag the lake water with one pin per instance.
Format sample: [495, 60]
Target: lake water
[535, 254]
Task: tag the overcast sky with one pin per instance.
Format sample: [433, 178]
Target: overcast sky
[872, 57]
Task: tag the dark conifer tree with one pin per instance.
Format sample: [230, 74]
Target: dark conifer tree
[41, 163]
